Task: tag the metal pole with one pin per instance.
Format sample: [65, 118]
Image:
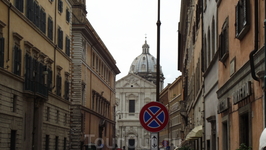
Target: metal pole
[158, 63]
[158, 54]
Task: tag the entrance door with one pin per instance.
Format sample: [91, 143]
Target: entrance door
[131, 144]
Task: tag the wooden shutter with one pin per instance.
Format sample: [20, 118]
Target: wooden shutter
[30, 10]
[43, 21]
[236, 20]
[50, 28]
[2, 51]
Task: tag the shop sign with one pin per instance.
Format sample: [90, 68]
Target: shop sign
[242, 93]
[223, 105]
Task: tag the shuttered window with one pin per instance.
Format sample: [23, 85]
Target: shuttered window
[19, 5]
[17, 61]
[60, 6]
[30, 10]
[2, 51]
[67, 15]
[43, 21]
[58, 85]
[36, 10]
[49, 79]
[60, 38]
[66, 90]
[224, 42]
[50, 28]
[67, 46]
[242, 18]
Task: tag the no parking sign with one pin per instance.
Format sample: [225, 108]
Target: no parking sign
[154, 116]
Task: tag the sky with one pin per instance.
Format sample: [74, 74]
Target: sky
[123, 26]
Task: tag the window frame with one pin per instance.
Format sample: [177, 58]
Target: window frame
[224, 42]
[131, 106]
[242, 19]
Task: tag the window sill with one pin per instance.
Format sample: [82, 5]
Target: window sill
[243, 32]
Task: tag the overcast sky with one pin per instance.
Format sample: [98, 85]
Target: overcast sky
[123, 24]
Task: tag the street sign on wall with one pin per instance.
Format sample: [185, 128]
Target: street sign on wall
[154, 117]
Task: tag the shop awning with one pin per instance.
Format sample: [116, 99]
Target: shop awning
[195, 133]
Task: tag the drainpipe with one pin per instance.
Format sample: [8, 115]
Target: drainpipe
[252, 67]
[264, 71]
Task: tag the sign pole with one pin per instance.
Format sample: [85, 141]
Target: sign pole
[158, 68]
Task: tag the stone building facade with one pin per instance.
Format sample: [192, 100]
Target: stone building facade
[35, 68]
[132, 93]
[93, 86]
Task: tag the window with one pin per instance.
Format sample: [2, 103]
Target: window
[30, 13]
[131, 106]
[242, 18]
[35, 78]
[2, 51]
[67, 46]
[13, 139]
[50, 28]
[60, 6]
[60, 38]
[244, 128]
[43, 21]
[65, 119]
[65, 143]
[67, 15]
[48, 114]
[19, 5]
[17, 60]
[224, 42]
[14, 103]
[56, 143]
[225, 136]
[58, 85]
[47, 142]
[36, 11]
[67, 89]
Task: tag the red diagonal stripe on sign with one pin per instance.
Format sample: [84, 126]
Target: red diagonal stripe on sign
[154, 116]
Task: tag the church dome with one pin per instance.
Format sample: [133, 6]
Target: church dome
[145, 65]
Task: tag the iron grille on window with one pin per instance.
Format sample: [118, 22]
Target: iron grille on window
[67, 46]
[60, 38]
[50, 28]
[58, 85]
[60, 6]
[43, 21]
[19, 5]
[242, 18]
[35, 77]
[17, 60]
[2, 51]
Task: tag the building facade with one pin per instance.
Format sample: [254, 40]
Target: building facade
[132, 93]
[190, 64]
[210, 73]
[240, 93]
[35, 69]
[171, 97]
[93, 86]
[232, 69]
